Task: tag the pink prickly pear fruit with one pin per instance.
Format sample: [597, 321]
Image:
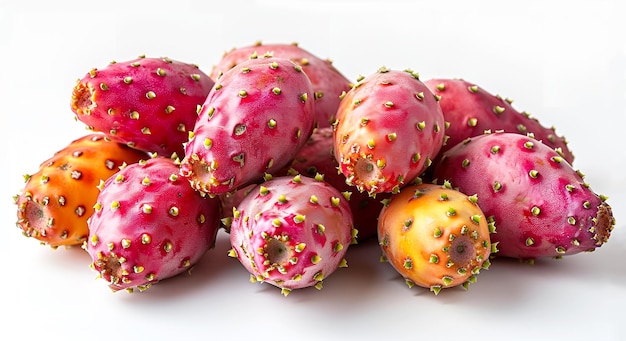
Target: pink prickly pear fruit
[470, 110]
[292, 232]
[389, 128]
[147, 103]
[543, 207]
[316, 157]
[255, 119]
[149, 225]
[435, 236]
[328, 83]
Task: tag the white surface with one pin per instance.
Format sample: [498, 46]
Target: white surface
[563, 61]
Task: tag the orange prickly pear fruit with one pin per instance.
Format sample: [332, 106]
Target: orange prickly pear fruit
[435, 236]
[57, 200]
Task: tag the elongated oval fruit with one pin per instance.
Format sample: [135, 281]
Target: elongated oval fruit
[543, 206]
[328, 83]
[435, 236]
[149, 225]
[470, 110]
[255, 119]
[389, 127]
[147, 103]
[292, 232]
[57, 200]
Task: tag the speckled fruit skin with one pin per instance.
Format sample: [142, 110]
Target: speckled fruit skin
[389, 127]
[148, 103]
[470, 110]
[255, 119]
[292, 232]
[149, 225]
[316, 156]
[56, 201]
[328, 83]
[543, 207]
[435, 236]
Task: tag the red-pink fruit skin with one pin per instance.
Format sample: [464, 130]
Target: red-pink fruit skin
[323, 236]
[327, 81]
[152, 219]
[389, 127]
[147, 103]
[541, 205]
[255, 119]
[470, 110]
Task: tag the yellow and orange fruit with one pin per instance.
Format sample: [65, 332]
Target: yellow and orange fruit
[435, 236]
[57, 200]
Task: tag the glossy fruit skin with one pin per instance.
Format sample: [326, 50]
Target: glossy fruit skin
[255, 119]
[389, 127]
[543, 206]
[328, 82]
[56, 201]
[149, 225]
[470, 110]
[435, 236]
[292, 232]
[147, 103]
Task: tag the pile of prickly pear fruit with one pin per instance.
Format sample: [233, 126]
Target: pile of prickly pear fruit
[297, 165]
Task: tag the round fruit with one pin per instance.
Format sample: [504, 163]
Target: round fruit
[435, 236]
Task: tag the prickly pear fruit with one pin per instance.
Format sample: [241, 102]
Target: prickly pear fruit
[470, 110]
[435, 236]
[316, 156]
[389, 127]
[57, 200]
[149, 225]
[147, 103]
[292, 232]
[255, 119]
[543, 207]
[328, 83]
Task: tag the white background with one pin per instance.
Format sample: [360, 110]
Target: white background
[562, 61]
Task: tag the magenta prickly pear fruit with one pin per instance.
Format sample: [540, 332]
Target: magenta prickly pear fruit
[149, 225]
[542, 206]
[147, 103]
[471, 110]
[389, 127]
[328, 83]
[255, 119]
[317, 157]
[292, 232]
